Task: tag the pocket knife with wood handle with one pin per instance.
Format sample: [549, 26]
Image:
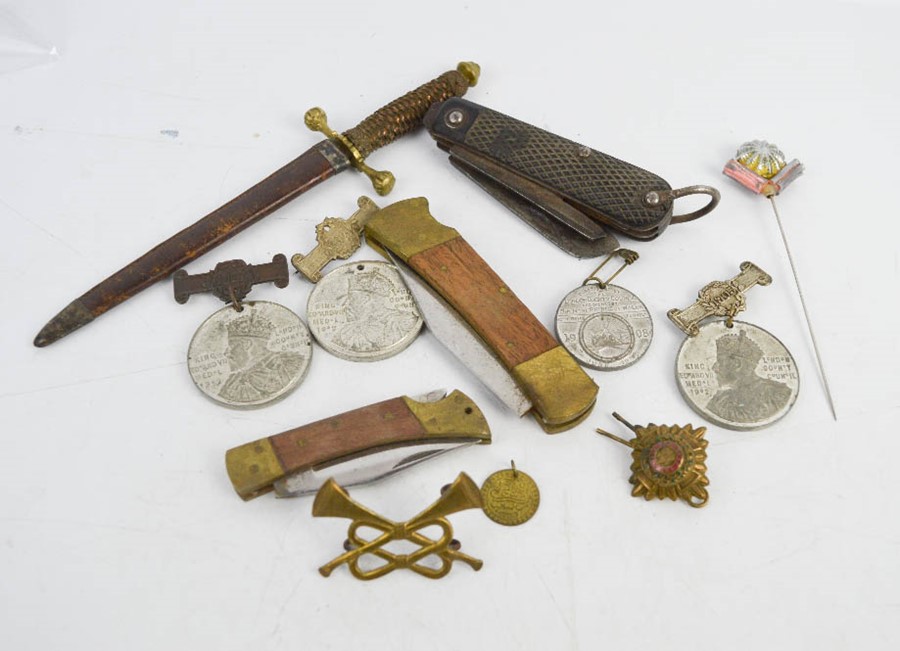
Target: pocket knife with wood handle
[358, 446]
[469, 308]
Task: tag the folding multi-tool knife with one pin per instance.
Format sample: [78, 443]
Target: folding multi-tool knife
[358, 446]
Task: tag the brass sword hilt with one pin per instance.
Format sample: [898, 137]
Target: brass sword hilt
[392, 121]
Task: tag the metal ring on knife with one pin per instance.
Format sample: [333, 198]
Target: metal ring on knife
[656, 197]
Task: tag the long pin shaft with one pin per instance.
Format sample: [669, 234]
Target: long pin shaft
[812, 335]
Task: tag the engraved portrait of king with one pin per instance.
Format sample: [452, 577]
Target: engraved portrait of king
[256, 372]
[743, 395]
[373, 322]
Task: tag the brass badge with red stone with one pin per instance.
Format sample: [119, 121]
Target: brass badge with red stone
[668, 461]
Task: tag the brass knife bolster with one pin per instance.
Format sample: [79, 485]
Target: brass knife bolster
[561, 393]
[254, 467]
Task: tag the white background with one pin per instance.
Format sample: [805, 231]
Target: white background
[118, 525]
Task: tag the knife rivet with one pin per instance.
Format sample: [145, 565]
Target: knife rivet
[455, 118]
[584, 152]
[503, 290]
[652, 198]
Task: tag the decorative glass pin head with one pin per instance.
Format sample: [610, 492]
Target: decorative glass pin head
[760, 167]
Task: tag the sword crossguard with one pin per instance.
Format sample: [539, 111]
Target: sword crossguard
[382, 180]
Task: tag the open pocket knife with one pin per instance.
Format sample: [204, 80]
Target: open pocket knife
[469, 308]
[358, 446]
[571, 194]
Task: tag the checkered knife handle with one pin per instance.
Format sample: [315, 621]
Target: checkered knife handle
[609, 190]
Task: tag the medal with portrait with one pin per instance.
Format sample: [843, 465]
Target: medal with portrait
[247, 354]
[733, 373]
[363, 312]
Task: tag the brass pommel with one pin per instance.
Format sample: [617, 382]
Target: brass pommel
[316, 120]
[470, 70]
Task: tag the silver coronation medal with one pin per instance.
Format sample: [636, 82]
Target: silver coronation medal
[732, 373]
[740, 377]
[247, 354]
[363, 312]
[604, 326]
[250, 358]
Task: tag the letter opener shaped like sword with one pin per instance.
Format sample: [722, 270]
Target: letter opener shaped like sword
[334, 154]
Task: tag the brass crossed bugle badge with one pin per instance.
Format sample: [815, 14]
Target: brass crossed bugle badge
[334, 502]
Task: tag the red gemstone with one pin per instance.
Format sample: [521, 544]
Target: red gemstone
[665, 457]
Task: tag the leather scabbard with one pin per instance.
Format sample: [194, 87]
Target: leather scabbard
[560, 392]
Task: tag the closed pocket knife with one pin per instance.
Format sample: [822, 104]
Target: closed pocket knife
[571, 194]
[358, 446]
[469, 308]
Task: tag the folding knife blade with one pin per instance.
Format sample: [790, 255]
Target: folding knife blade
[458, 337]
[324, 447]
[431, 396]
[560, 393]
[561, 223]
[370, 468]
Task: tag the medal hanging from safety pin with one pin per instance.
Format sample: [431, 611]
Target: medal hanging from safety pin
[732, 373]
[246, 354]
[604, 326]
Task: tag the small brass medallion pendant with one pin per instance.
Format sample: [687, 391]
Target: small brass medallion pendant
[604, 326]
[667, 462]
[732, 373]
[510, 497]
